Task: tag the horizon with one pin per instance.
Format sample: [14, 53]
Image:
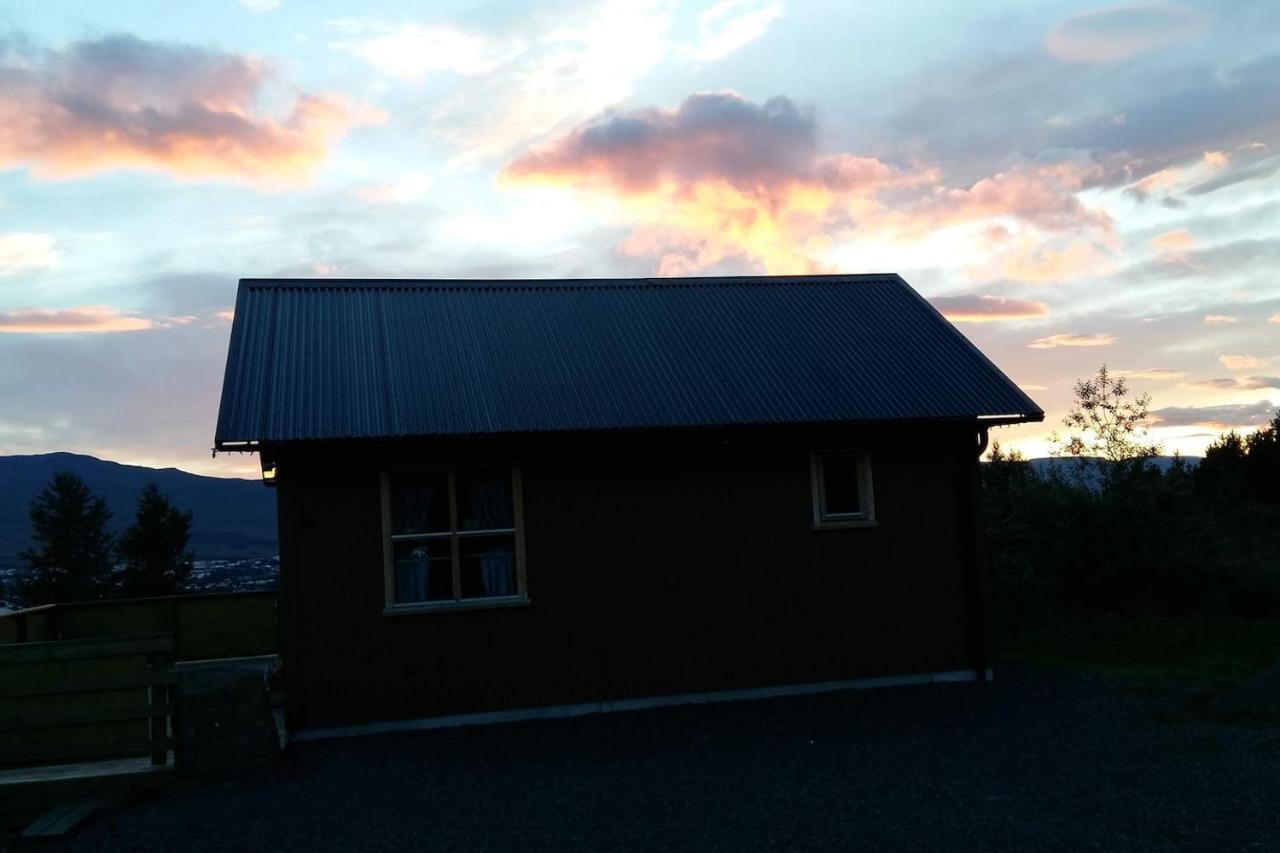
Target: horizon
[255, 478]
[1101, 186]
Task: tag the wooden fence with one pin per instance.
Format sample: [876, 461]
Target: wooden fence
[93, 682]
[85, 700]
[217, 625]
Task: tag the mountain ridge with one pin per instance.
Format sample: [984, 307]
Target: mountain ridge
[232, 518]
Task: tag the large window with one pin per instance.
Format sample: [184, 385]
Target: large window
[452, 538]
[842, 491]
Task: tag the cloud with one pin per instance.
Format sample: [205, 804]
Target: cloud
[1227, 416]
[1054, 341]
[721, 178]
[715, 136]
[187, 293]
[730, 24]
[85, 319]
[1158, 374]
[1242, 362]
[1255, 172]
[1175, 242]
[539, 69]
[1274, 318]
[411, 51]
[1247, 383]
[123, 102]
[23, 252]
[973, 115]
[1219, 319]
[1034, 260]
[1044, 195]
[408, 187]
[984, 309]
[581, 60]
[1120, 32]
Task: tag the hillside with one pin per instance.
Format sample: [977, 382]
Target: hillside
[233, 519]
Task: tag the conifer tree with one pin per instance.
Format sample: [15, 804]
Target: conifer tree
[153, 549]
[71, 558]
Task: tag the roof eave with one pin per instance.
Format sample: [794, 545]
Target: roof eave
[982, 421]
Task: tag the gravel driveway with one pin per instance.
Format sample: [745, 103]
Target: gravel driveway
[1040, 760]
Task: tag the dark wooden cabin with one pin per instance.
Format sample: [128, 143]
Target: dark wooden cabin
[515, 498]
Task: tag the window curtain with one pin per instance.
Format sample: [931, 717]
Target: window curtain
[497, 570]
[413, 502]
[490, 500]
[413, 575]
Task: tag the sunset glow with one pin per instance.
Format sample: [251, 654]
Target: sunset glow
[1072, 185]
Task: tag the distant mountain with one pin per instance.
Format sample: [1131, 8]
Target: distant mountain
[1045, 464]
[233, 519]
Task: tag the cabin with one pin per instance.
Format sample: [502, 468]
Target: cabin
[507, 499]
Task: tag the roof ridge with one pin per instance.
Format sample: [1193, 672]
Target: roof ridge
[656, 283]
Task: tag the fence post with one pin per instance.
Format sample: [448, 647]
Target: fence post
[158, 695]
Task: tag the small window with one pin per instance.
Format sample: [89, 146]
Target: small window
[842, 493]
[452, 538]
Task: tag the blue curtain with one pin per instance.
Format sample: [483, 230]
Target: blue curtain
[413, 574]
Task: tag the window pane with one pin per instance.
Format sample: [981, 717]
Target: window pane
[840, 482]
[423, 571]
[484, 499]
[488, 566]
[420, 503]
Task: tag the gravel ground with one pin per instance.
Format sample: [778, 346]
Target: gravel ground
[1040, 760]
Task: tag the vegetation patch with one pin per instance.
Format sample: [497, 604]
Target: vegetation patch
[1110, 561]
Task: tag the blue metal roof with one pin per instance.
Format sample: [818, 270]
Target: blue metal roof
[365, 358]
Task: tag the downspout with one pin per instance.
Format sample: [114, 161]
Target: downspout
[981, 574]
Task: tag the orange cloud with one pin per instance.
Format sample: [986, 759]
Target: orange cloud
[1218, 319]
[986, 309]
[1216, 159]
[1158, 374]
[721, 178]
[1054, 341]
[85, 319]
[1242, 362]
[1174, 242]
[1042, 195]
[1275, 318]
[1044, 262]
[122, 102]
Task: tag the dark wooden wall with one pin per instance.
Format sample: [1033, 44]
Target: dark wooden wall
[656, 564]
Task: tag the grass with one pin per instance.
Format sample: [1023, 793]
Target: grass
[1221, 651]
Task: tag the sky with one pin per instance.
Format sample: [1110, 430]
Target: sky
[1072, 184]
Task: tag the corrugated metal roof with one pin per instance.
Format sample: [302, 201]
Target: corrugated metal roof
[364, 358]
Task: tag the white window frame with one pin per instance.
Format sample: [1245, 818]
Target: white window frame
[823, 520]
[391, 607]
